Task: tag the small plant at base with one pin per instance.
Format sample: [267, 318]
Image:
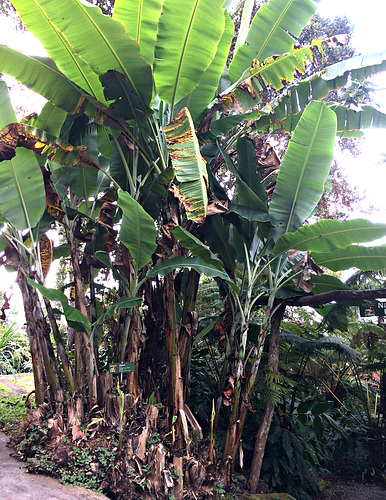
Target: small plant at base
[175, 475]
[146, 469]
[219, 489]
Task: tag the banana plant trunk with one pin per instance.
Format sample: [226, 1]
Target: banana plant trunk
[189, 325]
[266, 420]
[84, 356]
[175, 384]
[48, 383]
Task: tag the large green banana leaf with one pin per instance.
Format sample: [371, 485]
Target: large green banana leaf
[270, 32]
[57, 47]
[22, 194]
[140, 19]
[188, 164]
[246, 166]
[188, 37]
[364, 258]
[203, 94]
[101, 42]
[137, 232]
[42, 76]
[326, 283]
[328, 235]
[304, 168]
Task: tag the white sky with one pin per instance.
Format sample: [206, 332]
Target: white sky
[368, 18]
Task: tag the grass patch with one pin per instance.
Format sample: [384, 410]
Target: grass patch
[4, 390]
[12, 411]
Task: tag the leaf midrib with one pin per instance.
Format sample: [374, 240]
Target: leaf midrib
[307, 156]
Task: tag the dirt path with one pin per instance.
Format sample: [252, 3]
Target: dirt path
[16, 483]
[349, 490]
[18, 386]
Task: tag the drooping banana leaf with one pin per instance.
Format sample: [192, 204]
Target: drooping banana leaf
[57, 47]
[16, 135]
[359, 67]
[188, 37]
[352, 122]
[203, 94]
[304, 168]
[140, 20]
[197, 248]
[270, 32]
[74, 317]
[196, 263]
[188, 164]
[364, 258]
[42, 76]
[286, 115]
[137, 232]
[217, 235]
[22, 194]
[276, 72]
[101, 42]
[328, 235]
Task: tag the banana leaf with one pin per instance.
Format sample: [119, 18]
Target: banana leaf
[196, 263]
[328, 235]
[137, 232]
[359, 67]
[42, 76]
[326, 283]
[364, 258]
[50, 119]
[187, 42]
[140, 20]
[197, 248]
[101, 42]
[57, 47]
[16, 135]
[188, 164]
[304, 168]
[22, 193]
[203, 94]
[74, 317]
[270, 32]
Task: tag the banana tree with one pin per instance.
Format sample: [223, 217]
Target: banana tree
[134, 79]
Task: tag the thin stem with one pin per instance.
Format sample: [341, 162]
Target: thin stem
[128, 173]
